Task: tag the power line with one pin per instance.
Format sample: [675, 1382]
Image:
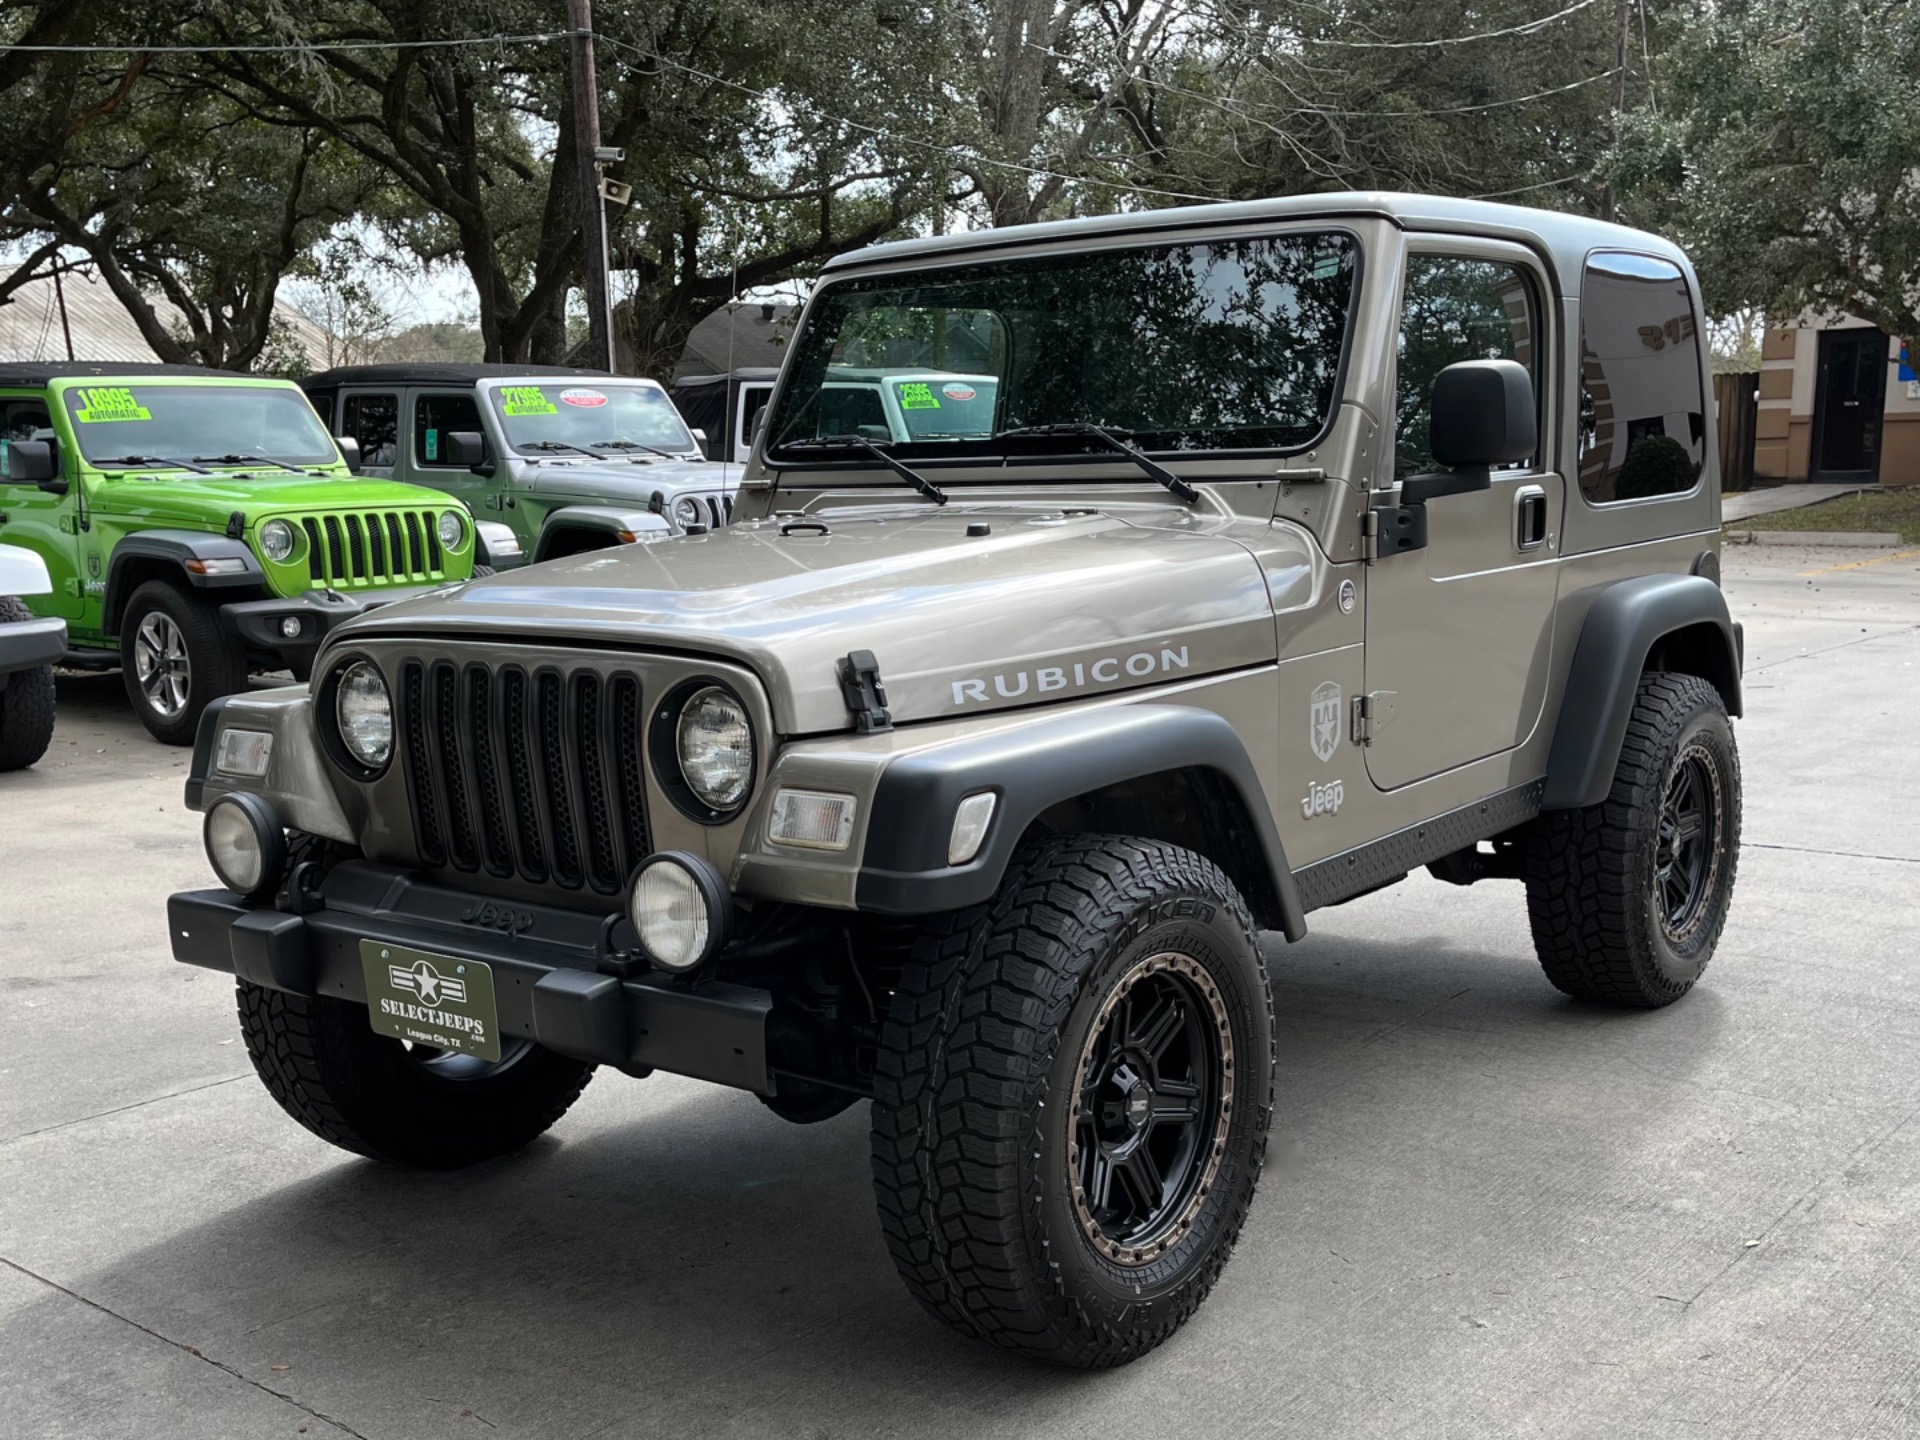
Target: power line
[1526, 28]
[291, 47]
[1527, 189]
[960, 151]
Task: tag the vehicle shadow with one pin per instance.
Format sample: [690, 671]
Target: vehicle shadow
[684, 1263]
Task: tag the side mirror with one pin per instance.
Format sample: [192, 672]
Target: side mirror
[34, 462]
[349, 452]
[1483, 415]
[468, 448]
[699, 436]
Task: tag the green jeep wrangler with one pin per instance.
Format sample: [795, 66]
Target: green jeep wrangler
[200, 526]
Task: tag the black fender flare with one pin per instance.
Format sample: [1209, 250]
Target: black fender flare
[1625, 625]
[1033, 767]
[177, 547]
[599, 520]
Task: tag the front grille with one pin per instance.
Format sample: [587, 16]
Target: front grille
[535, 773]
[363, 549]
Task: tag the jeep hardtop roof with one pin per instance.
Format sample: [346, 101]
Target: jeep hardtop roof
[42, 372]
[438, 374]
[1566, 238]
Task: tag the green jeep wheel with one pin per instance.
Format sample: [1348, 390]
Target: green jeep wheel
[175, 659]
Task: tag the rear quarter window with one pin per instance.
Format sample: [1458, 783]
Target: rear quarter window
[1642, 405]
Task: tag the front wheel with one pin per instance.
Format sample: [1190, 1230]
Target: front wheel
[380, 1097]
[175, 659]
[1071, 1106]
[26, 703]
[1627, 898]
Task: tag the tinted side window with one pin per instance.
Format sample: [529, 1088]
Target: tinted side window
[322, 402]
[433, 417]
[1642, 409]
[1455, 309]
[374, 421]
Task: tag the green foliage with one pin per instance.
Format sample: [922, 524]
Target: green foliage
[1657, 465]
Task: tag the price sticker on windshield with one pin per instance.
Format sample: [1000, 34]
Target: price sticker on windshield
[917, 395]
[518, 400]
[100, 404]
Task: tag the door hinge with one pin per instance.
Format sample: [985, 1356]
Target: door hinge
[865, 694]
[1392, 530]
[1372, 713]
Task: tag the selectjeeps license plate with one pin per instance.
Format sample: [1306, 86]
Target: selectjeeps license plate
[431, 1000]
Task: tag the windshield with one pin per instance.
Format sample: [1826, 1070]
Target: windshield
[597, 417]
[1232, 344]
[180, 422]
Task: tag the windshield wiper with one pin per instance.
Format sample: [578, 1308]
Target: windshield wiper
[860, 442]
[238, 459]
[551, 445]
[1114, 440]
[635, 445]
[167, 461]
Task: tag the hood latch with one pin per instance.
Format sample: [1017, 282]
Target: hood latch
[865, 694]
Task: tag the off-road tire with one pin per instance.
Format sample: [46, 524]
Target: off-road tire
[362, 1091]
[977, 1090]
[217, 663]
[1592, 874]
[26, 703]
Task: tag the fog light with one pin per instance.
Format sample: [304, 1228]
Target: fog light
[970, 820]
[244, 752]
[681, 910]
[291, 627]
[811, 819]
[246, 844]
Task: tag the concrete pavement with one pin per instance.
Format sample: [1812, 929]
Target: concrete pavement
[1488, 1211]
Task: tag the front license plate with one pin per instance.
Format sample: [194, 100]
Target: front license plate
[431, 1000]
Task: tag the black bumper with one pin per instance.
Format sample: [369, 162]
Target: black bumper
[29, 644]
[550, 979]
[257, 622]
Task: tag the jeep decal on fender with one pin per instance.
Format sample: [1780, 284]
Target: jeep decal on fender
[1080, 675]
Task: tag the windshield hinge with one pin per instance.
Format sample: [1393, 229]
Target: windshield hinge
[865, 694]
[237, 525]
[1372, 713]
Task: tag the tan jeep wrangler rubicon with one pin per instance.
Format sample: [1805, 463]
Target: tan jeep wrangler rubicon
[1306, 543]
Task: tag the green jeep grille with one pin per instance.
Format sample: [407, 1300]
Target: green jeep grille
[373, 547]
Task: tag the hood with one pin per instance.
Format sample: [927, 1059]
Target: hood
[1045, 606]
[181, 496]
[632, 483]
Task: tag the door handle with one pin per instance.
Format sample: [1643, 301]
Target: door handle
[1530, 518]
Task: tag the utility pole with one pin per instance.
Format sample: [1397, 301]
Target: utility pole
[1621, 14]
[593, 209]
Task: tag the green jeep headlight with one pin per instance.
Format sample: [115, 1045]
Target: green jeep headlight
[452, 529]
[276, 540]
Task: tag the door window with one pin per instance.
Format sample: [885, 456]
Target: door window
[753, 399]
[1455, 309]
[21, 420]
[374, 421]
[434, 418]
[1642, 402]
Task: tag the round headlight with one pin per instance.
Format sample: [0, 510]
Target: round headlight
[680, 910]
[452, 530]
[365, 711]
[245, 843]
[276, 540]
[715, 743]
[687, 511]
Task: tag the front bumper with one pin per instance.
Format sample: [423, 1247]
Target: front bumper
[29, 644]
[258, 622]
[555, 981]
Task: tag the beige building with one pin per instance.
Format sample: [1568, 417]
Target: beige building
[1835, 405]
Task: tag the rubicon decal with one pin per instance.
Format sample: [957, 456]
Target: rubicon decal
[1077, 675]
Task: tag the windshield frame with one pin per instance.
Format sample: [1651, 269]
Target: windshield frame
[65, 392]
[998, 455]
[492, 387]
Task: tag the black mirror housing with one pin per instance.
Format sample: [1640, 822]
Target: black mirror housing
[349, 452]
[466, 447]
[1483, 415]
[35, 462]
